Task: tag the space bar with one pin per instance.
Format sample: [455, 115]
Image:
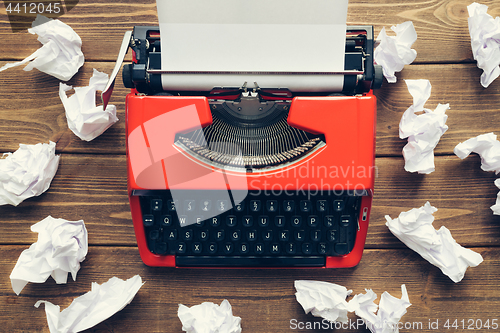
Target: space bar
[250, 261]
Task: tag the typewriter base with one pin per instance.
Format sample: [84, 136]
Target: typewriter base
[347, 122]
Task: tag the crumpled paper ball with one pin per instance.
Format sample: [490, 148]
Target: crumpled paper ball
[27, 172]
[484, 32]
[394, 52]
[85, 118]
[323, 299]
[486, 146]
[414, 228]
[93, 307]
[423, 128]
[61, 54]
[208, 317]
[61, 246]
[390, 310]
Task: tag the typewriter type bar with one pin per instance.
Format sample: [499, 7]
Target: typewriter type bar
[251, 175]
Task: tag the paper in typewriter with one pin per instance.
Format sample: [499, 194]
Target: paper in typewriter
[268, 42]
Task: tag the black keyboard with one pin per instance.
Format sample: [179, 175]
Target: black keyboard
[263, 230]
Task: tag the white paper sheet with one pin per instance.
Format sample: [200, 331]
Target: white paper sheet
[422, 127]
[208, 317]
[390, 310]
[252, 39]
[60, 56]
[484, 31]
[414, 228]
[323, 299]
[496, 207]
[97, 305]
[236, 36]
[486, 146]
[394, 52]
[85, 119]
[61, 246]
[27, 172]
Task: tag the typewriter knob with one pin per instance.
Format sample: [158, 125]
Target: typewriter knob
[378, 78]
[127, 76]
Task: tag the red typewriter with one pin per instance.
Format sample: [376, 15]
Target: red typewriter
[250, 175]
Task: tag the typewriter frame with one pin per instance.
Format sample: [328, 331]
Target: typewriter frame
[351, 113]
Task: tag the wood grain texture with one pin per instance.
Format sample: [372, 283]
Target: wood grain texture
[31, 110]
[474, 110]
[441, 26]
[264, 299]
[91, 185]
[93, 188]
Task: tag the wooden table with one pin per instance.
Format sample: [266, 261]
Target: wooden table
[91, 185]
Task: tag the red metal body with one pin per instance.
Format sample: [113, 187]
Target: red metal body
[346, 162]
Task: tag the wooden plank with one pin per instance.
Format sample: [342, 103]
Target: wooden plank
[460, 190]
[88, 187]
[31, 112]
[473, 109]
[441, 26]
[40, 116]
[93, 188]
[264, 294]
[91, 185]
[100, 25]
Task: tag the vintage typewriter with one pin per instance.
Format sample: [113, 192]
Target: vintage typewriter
[244, 174]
